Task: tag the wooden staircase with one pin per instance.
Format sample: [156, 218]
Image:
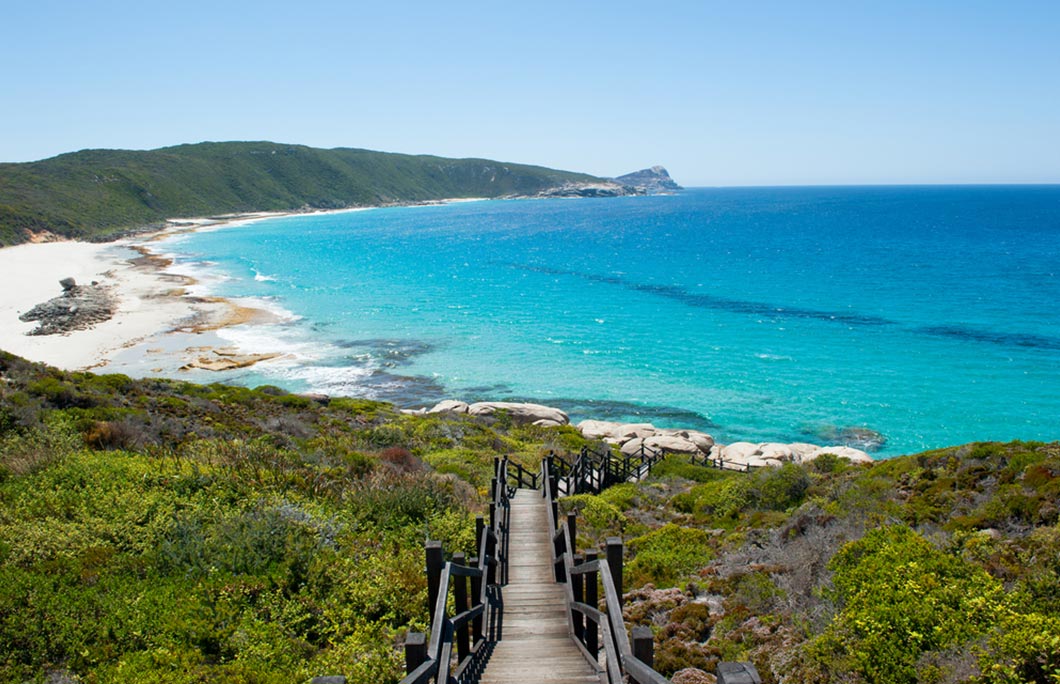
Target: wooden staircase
[535, 644]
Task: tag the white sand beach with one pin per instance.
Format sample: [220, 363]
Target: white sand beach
[149, 301]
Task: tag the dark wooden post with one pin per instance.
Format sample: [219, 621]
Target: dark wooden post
[476, 595]
[435, 563]
[491, 557]
[493, 515]
[572, 529]
[559, 548]
[644, 645]
[463, 645]
[592, 630]
[614, 562]
[553, 488]
[480, 529]
[415, 651]
[578, 589]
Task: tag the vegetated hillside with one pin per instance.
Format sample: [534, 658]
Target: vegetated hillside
[94, 193]
[155, 530]
[163, 531]
[938, 567]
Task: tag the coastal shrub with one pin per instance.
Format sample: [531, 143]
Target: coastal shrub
[678, 467]
[114, 435]
[724, 498]
[467, 464]
[755, 592]
[364, 410]
[621, 496]
[391, 501]
[108, 383]
[667, 555]
[899, 598]
[600, 517]
[781, 488]
[1022, 648]
[826, 464]
[25, 452]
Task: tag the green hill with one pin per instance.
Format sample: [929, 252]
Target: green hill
[96, 193]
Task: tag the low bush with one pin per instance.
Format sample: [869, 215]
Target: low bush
[666, 556]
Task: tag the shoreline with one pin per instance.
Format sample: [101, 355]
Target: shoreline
[161, 327]
[154, 303]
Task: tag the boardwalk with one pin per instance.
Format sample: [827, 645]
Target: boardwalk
[536, 645]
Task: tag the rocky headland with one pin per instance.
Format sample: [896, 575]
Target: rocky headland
[653, 181]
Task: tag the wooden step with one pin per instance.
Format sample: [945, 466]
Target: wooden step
[536, 645]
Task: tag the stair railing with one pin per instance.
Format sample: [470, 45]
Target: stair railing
[597, 632]
[475, 587]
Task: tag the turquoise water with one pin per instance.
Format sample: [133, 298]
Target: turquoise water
[928, 314]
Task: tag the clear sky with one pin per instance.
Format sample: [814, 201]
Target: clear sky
[721, 93]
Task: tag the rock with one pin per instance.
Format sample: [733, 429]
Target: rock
[632, 446]
[547, 422]
[800, 449]
[615, 433]
[629, 431]
[692, 675]
[318, 397]
[739, 452]
[853, 455]
[597, 429]
[414, 412]
[774, 450]
[601, 188]
[77, 308]
[520, 413]
[653, 181]
[702, 440]
[449, 406]
[671, 445]
[222, 361]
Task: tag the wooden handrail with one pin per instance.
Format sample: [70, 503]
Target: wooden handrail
[466, 630]
[618, 655]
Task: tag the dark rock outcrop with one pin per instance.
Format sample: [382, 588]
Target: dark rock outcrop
[653, 181]
[79, 307]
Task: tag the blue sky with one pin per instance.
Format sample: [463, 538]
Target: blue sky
[722, 93]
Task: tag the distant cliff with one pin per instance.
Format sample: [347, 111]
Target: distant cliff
[96, 194]
[653, 181]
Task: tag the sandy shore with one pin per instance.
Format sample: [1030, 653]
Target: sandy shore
[150, 301]
[158, 327]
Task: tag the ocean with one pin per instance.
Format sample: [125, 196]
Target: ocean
[896, 318]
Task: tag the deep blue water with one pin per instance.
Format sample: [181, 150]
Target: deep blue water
[928, 314]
